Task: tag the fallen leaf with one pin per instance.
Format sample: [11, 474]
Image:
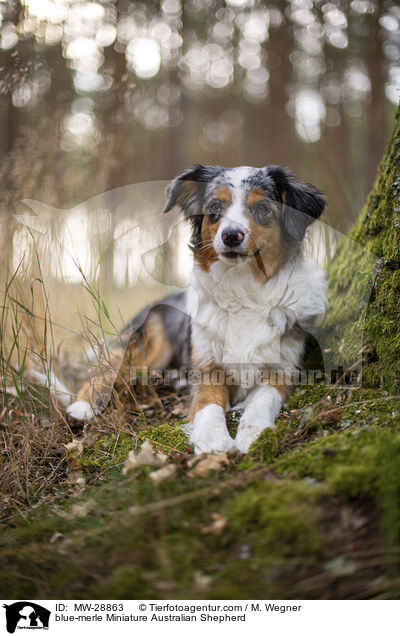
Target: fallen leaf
[217, 526]
[208, 463]
[179, 409]
[82, 509]
[73, 455]
[74, 448]
[145, 457]
[57, 536]
[167, 472]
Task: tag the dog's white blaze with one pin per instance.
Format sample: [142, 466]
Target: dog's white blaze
[236, 175]
[235, 215]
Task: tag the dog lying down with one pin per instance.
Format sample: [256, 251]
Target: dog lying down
[251, 300]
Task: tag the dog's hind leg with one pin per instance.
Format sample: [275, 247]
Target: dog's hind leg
[145, 350]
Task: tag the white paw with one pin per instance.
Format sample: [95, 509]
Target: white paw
[246, 435]
[209, 433]
[81, 411]
[261, 410]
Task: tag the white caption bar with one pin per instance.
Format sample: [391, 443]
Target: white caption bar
[216, 617]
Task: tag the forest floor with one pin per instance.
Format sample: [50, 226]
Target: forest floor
[311, 512]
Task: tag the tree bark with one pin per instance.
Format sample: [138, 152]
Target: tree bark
[377, 234]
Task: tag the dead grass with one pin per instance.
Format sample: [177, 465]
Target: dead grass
[32, 456]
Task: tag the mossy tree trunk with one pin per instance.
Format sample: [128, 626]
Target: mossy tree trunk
[377, 233]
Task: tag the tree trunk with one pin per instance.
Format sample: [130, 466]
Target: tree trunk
[376, 237]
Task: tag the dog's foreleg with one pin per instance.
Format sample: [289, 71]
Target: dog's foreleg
[262, 406]
[209, 433]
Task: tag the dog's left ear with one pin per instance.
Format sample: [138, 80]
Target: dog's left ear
[302, 202]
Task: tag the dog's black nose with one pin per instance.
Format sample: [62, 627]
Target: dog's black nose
[232, 237]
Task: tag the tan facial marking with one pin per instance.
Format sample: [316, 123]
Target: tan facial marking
[206, 254]
[267, 240]
[255, 197]
[223, 194]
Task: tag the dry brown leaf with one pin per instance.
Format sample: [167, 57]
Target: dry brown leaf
[179, 409]
[74, 448]
[74, 451]
[82, 509]
[217, 526]
[145, 457]
[208, 463]
[167, 472]
[194, 460]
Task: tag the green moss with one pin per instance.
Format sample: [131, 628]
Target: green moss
[307, 395]
[278, 518]
[166, 438]
[278, 529]
[351, 463]
[265, 448]
[110, 451]
[107, 453]
[126, 581]
[377, 411]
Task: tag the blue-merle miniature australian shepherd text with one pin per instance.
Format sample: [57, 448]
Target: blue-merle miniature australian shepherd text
[242, 321]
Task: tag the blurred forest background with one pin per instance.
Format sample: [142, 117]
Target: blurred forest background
[99, 96]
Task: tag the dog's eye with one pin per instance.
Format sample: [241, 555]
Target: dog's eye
[215, 208]
[262, 209]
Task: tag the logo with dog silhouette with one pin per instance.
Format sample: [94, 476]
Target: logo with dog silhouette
[26, 615]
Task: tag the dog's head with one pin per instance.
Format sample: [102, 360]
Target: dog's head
[245, 213]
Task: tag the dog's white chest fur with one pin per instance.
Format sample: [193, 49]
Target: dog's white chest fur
[237, 320]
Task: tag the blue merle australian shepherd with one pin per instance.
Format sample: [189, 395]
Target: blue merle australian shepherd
[252, 297]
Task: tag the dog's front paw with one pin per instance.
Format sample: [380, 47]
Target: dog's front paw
[260, 413]
[81, 411]
[245, 438]
[248, 432]
[209, 433]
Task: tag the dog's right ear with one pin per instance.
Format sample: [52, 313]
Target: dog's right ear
[186, 190]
